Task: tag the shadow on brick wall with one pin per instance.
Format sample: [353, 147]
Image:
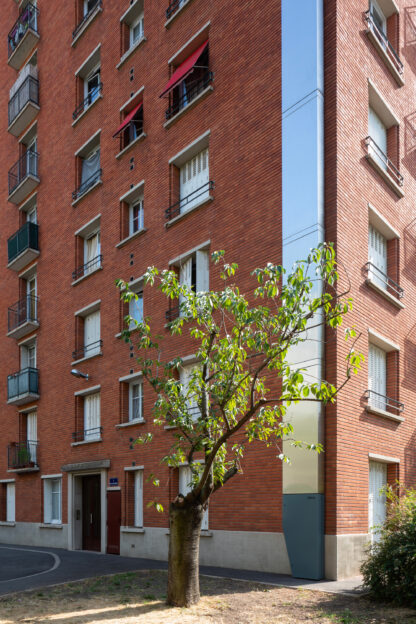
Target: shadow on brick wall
[409, 48]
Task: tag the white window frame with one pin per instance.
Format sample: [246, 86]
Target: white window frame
[133, 25]
[139, 201]
[11, 496]
[186, 474]
[88, 352]
[133, 306]
[375, 6]
[48, 493]
[138, 498]
[92, 436]
[136, 382]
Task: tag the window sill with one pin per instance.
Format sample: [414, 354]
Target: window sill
[385, 57]
[132, 530]
[85, 111]
[86, 442]
[383, 413]
[188, 107]
[385, 175]
[177, 12]
[23, 470]
[51, 526]
[80, 279]
[203, 202]
[128, 147]
[81, 197]
[7, 524]
[130, 237]
[169, 427]
[87, 357]
[131, 423]
[87, 23]
[384, 293]
[130, 52]
[203, 533]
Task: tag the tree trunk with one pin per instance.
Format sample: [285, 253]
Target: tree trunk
[183, 575]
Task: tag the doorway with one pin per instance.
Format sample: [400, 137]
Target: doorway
[91, 512]
[113, 521]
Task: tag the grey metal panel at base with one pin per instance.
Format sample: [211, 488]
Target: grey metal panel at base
[303, 526]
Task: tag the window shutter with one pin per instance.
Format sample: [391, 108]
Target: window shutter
[377, 255]
[185, 478]
[92, 415]
[138, 498]
[185, 276]
[378, 132]
[194, 174]
[376, 500]
[32, 434]
[92, 332]
[11, 502]
[377, 373]
[202, 271]
[47, 501]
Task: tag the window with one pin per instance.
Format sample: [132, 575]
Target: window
[92, 249]
[28, 356]
[29, 310]
[377, 256]
[131, 128]
[383, 378]
[383, 31]
[32, 436]
[185, 486]
[194, 181]
[186, 375]
[92, 342]
[138, 498]
[10, 502]
[131, 29]
[376, 498]
[378, 17]
[193, 272]
[88, 168]
[383, 267]
[88, 82]
[92, 421]
[89, 5]
[52, 490]
[137, 30]
[377, 377]
[135, 401]
[378, 132]
[136, 309]
[92, 87]
[88, 249]
[136, 217]
[131, 213]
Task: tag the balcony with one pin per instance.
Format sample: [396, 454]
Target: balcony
[93, 8]
[87, 351]
[88, 268]
[23, 246]
[86, 186]
[384, 166]
[384, 285]
[174, 7]
[22, 317]
[195, 199]
[385, 406]
[23, 106]
[22, 456]
[87, 435]
[384, 48]
[23, 387]
[23, 36]
[89, 100]
[193, 92]
[23, 177]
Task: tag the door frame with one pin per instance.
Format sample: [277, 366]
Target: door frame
[71, 506]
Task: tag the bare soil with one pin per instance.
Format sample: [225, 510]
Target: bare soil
[139, 598]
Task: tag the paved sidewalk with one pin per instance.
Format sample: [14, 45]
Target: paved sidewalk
[28, 567]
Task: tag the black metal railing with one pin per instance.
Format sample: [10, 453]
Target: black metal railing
[192, 91]
[83, 188]
[185, 203]
[172, 314]
[27, 92]
[22, 312]
[131, 132]
[91, 97]
[27, 19]
[377, 275]
[87, 434]
[23, 382]
[384, 162]
[86, 18]
[22, 455]
[385, 403]
[173, 7]
[26, 165]
[25, 238]
[87, 350]
[381, 37]
[88, 267]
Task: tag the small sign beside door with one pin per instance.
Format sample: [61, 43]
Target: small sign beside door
[113, 481]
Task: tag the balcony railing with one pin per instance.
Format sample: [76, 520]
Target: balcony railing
[186, 203]
[27, 19]
[88, 267]
[87, 435]
[173, 7]
[24, 382]
[172, 314]
[21, 455]
[192, 91]
[94, 348]
[131, 132]
[27, 92]
[22, 312]
[384, 42]
[25, 238]
[91, 97]
[383, 280]
[86, 17]
[25, 166]
[375, 152]
[83, 188]
[384, 403]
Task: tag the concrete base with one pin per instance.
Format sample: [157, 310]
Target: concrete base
[34, 534]
[344, 555]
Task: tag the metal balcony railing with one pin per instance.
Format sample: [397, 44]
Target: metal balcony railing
[130, 132]
[185, 203]
[25, 238]
[83, 188]
[173, 7]
[385, 43]
[22, 455]
[88, 267]
[172, 314]
[92, 7]
[27, 19]
[87, 350]
[27, 92]
[383, 161]
[377, 275]
[26, 165]
[23, 311]
[23, 382]
[385, 403]
[87, 435]
[91, 97]
[192, 91]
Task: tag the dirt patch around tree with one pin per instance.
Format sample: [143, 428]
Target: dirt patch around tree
[139, 598]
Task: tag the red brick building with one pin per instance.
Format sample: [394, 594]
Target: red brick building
[146, 133]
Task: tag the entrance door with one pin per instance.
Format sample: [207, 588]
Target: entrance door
[113, 522]
[91, 512]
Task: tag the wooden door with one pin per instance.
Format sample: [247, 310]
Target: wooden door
[91, 512]
[113, 522]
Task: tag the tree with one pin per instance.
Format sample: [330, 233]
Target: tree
[242, 386]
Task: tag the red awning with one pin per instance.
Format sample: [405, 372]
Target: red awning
[128, 119]
[184, 69]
